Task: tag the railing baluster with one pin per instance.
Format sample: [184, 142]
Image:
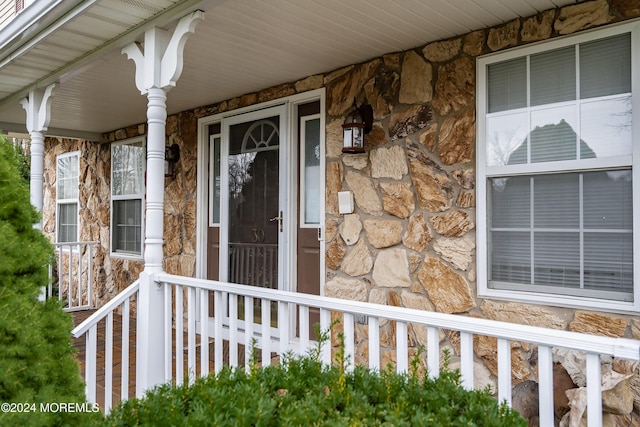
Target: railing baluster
[191, 335]
[283, 326]
[108, 363]
[303, 321]
[266, 332]
[204, 332]
[90, 364]
[168, 332]
[349, 340]
[374, 342]
[594, 390]
[124, 382]
[70, 278]
[504, 370]
[466, 359]
[233, 330]
[217, 331]
[90, 277]
[179, 335]
[79, 283]
[248, 331]
[433, 351]
[402, 347]
[325, 322]
[545, 385]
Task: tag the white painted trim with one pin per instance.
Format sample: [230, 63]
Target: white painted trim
[211, 180]
[483, 172]
[75, 200]
[301, 168]
[202, 162]
[141, 196]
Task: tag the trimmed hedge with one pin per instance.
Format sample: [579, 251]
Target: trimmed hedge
[301, 391]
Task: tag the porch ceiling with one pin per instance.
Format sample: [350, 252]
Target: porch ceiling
[242, 46]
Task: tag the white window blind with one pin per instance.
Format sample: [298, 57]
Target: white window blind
[556, 171]
[127, 194]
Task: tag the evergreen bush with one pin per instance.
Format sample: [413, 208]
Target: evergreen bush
[301, 391]
[37, 362]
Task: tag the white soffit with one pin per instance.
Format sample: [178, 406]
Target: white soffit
[242, 46]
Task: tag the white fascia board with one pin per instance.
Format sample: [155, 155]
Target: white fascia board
[23, 25]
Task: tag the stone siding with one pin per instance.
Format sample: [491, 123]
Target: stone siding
[411, 240]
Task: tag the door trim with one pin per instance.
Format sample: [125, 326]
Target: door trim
[291, 130]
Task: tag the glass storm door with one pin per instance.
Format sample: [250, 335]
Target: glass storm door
[251, 244]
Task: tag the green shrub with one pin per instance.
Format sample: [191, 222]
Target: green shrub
[301, 391]
[36, 356]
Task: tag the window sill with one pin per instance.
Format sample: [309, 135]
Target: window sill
[562, 301]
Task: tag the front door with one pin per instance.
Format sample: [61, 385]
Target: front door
[265, 199]
[255, 210]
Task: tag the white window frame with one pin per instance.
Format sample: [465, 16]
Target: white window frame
[301, 168]
[69, 201]
[485, 172]
[212, 179]
[138, 196]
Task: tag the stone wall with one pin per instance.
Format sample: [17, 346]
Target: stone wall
[411, 240]
[111, 274]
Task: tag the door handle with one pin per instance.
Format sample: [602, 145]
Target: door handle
[278, 218]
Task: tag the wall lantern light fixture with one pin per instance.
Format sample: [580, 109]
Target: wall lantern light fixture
[357, 123]
[171, 157]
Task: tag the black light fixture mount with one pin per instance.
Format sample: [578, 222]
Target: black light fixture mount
[356, 125]
[171, 157]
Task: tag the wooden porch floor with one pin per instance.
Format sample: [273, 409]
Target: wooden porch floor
[80, 345]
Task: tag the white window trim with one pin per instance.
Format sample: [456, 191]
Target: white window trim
[75, 200]
[212, 157]
[141, 196]
[484, 172]
[301, 168]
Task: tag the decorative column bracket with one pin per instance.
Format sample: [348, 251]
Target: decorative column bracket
[38, 108]
[160, 65]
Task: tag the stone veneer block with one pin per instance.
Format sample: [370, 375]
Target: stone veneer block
[526, 314]
[388, 163]
[409, 121]
[364, 193]
[455, 87]
[598, 324]
[458, 252]
[342, 90]
[504, 36]
[358, 261]
[334, 185]
[397, 198]
[335, 253]
[453, 224]
[350, 229]
[432, 184]
[447, 290]
[538, 27]
[415, 81]
[418, 235]
[391, 269]
[581, 16]
[457, 138]
[383, 233]
[345, 288]
[442, 51]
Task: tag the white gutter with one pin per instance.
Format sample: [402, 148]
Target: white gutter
[26, 22]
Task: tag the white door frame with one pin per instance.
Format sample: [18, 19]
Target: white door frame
[291, 128]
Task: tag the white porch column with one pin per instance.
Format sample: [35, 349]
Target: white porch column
[38, 108]
[158, 68]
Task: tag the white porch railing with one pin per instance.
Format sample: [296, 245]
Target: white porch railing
[276, 336]
[102, 323]
[74, 279]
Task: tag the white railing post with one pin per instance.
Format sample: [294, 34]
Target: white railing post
[594, 390]
[545, 385]
[150, 352]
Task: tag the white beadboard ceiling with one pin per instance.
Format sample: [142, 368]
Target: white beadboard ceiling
[242, 46]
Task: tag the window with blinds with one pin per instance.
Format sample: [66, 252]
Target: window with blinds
[67, 180]
[556, 168]
[127, 195]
